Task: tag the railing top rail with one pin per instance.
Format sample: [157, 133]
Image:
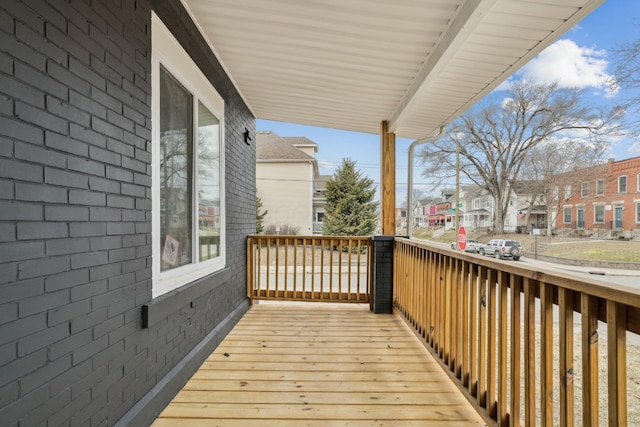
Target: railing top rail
[598, 288]
[274, 236]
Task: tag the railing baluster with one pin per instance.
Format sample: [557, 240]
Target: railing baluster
[304, 267]
[313, 268]
[268, 275]
[463, 340]
[455, 313]
[431, 287]
[286, 267]
[565, 301]
[330, 269]
[589, 307]
[251, 263]
[442, 309]
[482, 346]
[546, 354]
[473, 331]
[503, 278]
[359, 249]
[617, 357]
[515, 284]
[529, 352]
[295, 267]
[492, 346]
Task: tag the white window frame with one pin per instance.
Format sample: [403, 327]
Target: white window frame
[626, 184]
[637, 203]
[600, 193]
[567, 191]
[564, 214]
[595, 208]
[584, 189]
[168, 52]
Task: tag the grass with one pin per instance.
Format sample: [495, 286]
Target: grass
[601, 250]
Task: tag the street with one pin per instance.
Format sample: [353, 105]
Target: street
[619, 277]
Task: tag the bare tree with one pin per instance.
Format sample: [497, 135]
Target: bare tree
[554, 171]
[496, 137]
[627, 77]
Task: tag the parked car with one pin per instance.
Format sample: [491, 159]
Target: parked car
[501, 248]
[472, 246]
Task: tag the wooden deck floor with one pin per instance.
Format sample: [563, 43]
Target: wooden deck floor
[319, 365]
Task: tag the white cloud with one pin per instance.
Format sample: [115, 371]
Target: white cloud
[571, 66]
[635, 148]
[327, 167]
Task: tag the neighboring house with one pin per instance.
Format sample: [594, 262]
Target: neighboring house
[478, 210]
[319, 202]
[401, 218]
[445, 209]
[607, 199]
[286, 181]
[423, 212]
[530, 209]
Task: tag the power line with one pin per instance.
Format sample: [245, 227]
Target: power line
[308, 180]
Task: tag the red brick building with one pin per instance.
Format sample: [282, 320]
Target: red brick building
[604, 199]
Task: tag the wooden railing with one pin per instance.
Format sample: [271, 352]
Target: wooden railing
[310, 268]
[491, 324]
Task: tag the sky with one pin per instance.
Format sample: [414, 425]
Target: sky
[582, 57]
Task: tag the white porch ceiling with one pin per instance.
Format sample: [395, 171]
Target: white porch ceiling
[351, 64]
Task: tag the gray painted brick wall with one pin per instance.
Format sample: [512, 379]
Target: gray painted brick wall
[75, 242]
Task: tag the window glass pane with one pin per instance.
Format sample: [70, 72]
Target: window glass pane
[176, 152]
[622, 184]
[599, 211]
[208, 183]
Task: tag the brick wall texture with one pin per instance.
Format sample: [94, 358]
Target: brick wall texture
[75, 210]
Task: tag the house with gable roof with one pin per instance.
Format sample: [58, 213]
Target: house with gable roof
[288, 182]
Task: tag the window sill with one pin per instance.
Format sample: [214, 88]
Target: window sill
[164, 305]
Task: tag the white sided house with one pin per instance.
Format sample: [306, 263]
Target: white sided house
[286, 173]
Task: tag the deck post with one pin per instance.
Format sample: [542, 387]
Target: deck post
[382, 289]
[387, 180]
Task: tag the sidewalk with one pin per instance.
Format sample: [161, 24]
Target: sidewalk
[597, 271]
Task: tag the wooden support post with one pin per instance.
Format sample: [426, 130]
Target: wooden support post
[387, 180]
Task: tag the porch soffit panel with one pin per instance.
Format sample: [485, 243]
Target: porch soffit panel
[351, 64]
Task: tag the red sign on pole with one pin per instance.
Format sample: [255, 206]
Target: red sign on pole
[462, 238]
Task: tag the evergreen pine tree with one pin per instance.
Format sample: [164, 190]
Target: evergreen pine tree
[259, 216]
[350, 209]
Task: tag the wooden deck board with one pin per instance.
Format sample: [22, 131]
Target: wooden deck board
[321, 365]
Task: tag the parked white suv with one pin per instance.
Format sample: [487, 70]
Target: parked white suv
[501, 248]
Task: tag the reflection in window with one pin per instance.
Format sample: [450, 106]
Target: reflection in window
[189, 168]
[208, 183]
[176, 152]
